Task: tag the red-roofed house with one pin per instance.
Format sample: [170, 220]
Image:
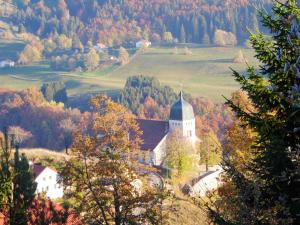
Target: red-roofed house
[46, 179]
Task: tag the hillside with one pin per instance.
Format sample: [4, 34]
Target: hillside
[116, 22]
[204, 73]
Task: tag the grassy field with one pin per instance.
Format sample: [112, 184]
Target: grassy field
[204, 73]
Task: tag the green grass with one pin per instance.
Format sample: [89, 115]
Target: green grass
[204, 73]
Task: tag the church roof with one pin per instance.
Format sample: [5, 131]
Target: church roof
[153, 132]
[181, 110]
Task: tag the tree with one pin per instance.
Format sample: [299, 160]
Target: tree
[223, 38]
[45, 211]
[20, 135]
[178, 154]
[6, 176]
[103, 174]
[68, 128]
[63, 42]
[209, 149]
[267, 191]
[24, 188]
[91, 60]
[30, 54]
[55, 91]
[17, 185]
[123, 56]
[76, 43]
[168, 37]
[182, 34]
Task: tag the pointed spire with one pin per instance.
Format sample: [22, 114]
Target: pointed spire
[181, 95]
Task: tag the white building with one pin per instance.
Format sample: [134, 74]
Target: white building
[139, 44]
[207, 182]
[156, 132]
[7, 63]
[46, 179]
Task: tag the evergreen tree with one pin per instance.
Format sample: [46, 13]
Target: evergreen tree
[24, 189]
[182, 34]
[196, 38]
[268, 191]
[55, 91]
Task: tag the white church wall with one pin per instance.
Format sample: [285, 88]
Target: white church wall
[159, 153]
[186, 127]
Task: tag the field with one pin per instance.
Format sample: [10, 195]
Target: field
[206, 72]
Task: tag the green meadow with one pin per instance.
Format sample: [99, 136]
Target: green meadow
[206, 72]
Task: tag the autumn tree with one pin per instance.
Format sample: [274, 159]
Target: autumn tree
[6, 176]
[178, 154]
[91, 60]
[168, 37]
[68, 127]
[267, 190]
[103, 174]
[63, 42]
[223, 38]
[20, 135]
[45, 211]
[210, 150]
[30, 54]
[123, 56]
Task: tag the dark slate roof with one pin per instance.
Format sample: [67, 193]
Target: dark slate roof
[37, 169]
[181, 110]
[153, 132]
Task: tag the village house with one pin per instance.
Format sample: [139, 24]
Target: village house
[205, 182]
[139, 44]
[47, 181]
[7, 63]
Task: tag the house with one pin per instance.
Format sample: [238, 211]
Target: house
[139, 44]
[156, 132]
[47, 181]
[7, 63]
[206, 182]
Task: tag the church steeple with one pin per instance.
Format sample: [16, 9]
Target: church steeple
[182, 118]
[181, 95]
[181, 109]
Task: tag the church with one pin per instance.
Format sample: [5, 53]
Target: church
[156, 132]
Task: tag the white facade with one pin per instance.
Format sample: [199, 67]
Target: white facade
[140, 43]
[47, 183]
[210, 181]
[186, 127]
[158, 154]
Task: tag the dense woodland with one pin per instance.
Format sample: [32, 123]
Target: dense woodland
[121, 22]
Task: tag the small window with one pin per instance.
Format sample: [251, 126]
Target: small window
[50, 177]
[44, 178]
[47, 188]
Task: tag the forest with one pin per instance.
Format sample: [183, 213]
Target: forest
[121, 22]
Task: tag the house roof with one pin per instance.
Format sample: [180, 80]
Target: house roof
[153, 132]
[37, 169]
[181, 110]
